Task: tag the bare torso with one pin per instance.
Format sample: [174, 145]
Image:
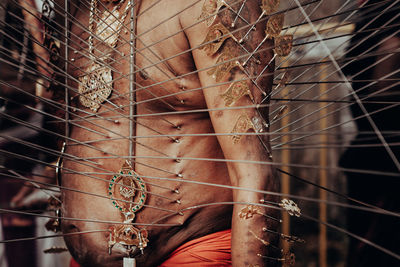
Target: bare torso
[156, 158]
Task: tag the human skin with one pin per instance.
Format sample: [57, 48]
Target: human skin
[154, 157]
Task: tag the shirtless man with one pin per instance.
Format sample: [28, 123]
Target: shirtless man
[166, 163]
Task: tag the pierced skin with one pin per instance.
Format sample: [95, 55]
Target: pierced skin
[91, 249]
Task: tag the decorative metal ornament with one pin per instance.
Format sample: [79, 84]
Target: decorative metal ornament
[127, 191]
[210, 10]
[96, 84]
[216, 36]
[265, 243]
[258, 124]
[243, 125]
[109, 27]
[124, 186]
[236, 91]
[291, 207]
[283, 45]
[95, 87]
[224, 64]
[249, 211]
[274, 25]
[269, 6]
[110, 24]
[54, 224]
[128, 235]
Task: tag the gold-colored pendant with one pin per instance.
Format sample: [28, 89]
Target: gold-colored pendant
[270, 6]
[224, 64]
[291, 207]
[108, 27]
[243, 125]
[95, 86]
[127, 190]
[258, 124]
[128, 235]
[249, 211]
[283, 45]
[235, 91]
[274, 25]
[54, 224]
[216, 36]
[210, 10]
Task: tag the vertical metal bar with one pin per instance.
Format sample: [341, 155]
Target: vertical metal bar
[66, 33]
[323, 161]
[285, 167]
[132, 107]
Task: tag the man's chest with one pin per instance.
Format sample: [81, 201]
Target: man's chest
[154, 61]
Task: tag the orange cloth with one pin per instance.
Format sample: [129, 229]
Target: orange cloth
[209, 250]
[73, 263]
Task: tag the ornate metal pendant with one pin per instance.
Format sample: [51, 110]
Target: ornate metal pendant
[210, 10]
[127, 191]
[235, 91]
[275, 25]
[269, 6]
[283, 45]
[108, 27]
[128, 186]
[216, 36]
[95, 87]
[243, 125]
[225, 63]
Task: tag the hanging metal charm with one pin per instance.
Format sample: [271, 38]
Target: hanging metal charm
[283, 45]
[129, 186]
[95, 87]
[127, 191]
[269, 6]
[96, 84]
[225, 63]
[274, 25]
[236, 91]
[108, 28]
[210, 10]
[243, 125]
[249, 211]
[291, 207]
[216, 36]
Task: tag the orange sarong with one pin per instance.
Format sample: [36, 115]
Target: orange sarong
[209, 250]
